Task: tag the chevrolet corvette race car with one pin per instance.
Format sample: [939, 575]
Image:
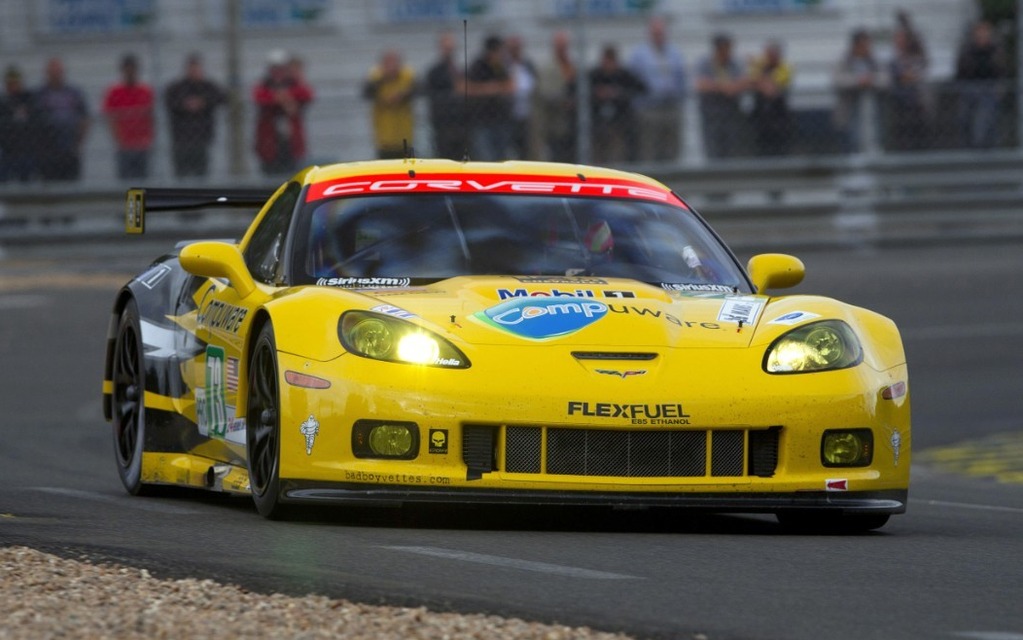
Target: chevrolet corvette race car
[530, 333]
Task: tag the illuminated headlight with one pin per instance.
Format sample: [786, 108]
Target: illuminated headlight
[385, 439]
[382, 337]
[847, 448]
[819, 346]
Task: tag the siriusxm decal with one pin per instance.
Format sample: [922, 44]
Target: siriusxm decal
[539, 318]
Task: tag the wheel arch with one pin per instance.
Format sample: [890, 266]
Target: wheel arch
[261, 319]
[120, 302]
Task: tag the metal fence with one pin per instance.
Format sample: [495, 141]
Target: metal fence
[349, 126]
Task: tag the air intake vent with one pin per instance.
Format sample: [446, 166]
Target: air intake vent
[612, 355]
[478, 450]
[763, 452]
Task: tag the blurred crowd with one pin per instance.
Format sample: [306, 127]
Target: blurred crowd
[505, 105]
[42, 131]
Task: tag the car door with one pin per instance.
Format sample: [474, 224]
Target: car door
[223, 321]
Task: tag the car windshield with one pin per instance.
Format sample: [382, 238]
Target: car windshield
[348, 241]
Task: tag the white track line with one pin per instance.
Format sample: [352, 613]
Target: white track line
[513, 563]
[141, 504]
[989, 635]
[966, 505]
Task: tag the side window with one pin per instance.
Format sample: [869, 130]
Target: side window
[263, 253]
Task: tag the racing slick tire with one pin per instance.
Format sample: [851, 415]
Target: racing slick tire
[263, 426]
[830, 523]
[128, 394]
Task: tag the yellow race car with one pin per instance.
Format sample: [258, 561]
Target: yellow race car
[532, 333]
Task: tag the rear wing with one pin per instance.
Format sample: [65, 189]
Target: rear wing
[141, 201]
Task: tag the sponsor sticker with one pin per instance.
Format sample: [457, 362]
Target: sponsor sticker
[837, 484]
[211, 400]
[540, 318]
[895, 442]
[742, 310]
[489, 183]
[697, 287]
[521, 292]
[439, 441]
[364, 283]
[653, 414]
[794, 317]
[222, 316]
[391, 310]
[309, 430]
[577, 280]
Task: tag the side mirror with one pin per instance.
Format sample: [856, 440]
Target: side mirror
[775, 271]
[218, 260]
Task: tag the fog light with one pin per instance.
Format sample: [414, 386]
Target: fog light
[847, 448]
[390, 440]
[385, 439]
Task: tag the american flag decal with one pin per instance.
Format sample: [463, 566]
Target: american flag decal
[231, 375]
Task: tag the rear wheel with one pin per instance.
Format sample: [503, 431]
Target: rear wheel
[831, 523]
[262, 426]
[128, 394]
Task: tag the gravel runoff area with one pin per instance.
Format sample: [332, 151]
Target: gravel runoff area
[44, 596]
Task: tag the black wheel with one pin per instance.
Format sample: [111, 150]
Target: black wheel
[831, 523]
[129, 409]
[263, 428]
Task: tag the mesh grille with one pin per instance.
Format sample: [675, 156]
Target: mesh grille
[627, 454]
[642, 454]
[522, 447]
[726, 453]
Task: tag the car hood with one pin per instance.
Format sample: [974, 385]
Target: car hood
[574, 311]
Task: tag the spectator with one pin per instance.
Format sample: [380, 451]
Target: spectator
[17, 129]
[856, 77]
[191, 103]
[391, 85]
[720, 83]
[907, 71]
[281, 98]
[63, 123]
[444, 87]
[556, 92]
[660, 67]
[128, 107]
[613, 88]
[980, 69]
[490, 90]
[523, 73]
[770, 77]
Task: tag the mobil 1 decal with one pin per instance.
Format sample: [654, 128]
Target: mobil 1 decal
[540, 318]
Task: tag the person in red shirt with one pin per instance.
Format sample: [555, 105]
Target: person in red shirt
[281, 98]
[128, 107]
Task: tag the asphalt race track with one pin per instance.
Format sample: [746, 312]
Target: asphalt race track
[952, 567]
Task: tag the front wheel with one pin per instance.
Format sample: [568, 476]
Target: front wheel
[263, 428]
[128, 376]
[831, 523]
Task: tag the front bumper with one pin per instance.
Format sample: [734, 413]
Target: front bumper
[860, 502]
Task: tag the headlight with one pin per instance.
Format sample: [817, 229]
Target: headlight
[382, 337]
[819, 346]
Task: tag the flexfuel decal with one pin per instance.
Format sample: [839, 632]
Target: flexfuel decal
[653, 414]
[539, 318]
